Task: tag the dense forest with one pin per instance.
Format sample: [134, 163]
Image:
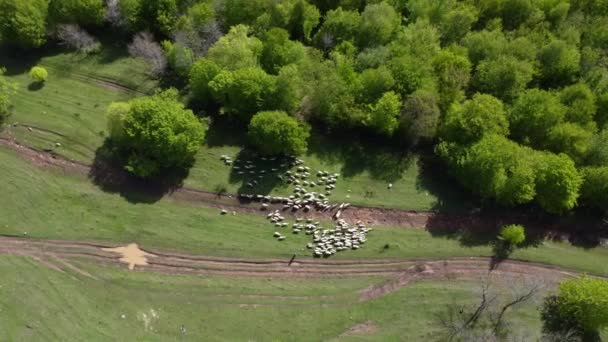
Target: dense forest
[512, 95]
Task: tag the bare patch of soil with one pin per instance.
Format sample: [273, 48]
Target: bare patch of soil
[131, 255]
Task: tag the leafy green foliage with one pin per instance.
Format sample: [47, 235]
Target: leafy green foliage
[383, 115]
[157, 15]
[378, 23]
[81, 12]
[339, 25]
[559, 62]
[156, 133]
[470, 121]
[569, 138]
[534, 114]
[280, 51]
[23, 23]
[581, 304]
[201, 73]
[594, 191]
[558, 182]
[236, 49]
[580, 101]
[495, 168]
[420, 117]
[513, 234]
[244, 92]
[38, 74]
[598, 149]
[275, 132]
[453, 73]
[179, 57]
[7, 90]
[504, 77]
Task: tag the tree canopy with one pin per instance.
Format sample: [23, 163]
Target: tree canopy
[156, 133]
[275, 132]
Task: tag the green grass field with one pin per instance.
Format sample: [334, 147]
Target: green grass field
[41, 304]
[49, 204]
[70, 110]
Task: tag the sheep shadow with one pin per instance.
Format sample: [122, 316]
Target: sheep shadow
[108, 173]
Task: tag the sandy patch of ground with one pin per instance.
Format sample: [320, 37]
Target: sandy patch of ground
[131, 255]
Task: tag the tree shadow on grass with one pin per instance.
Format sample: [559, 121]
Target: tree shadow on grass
[35, 86]
[267, 173]
[108, 173]
[359, 154]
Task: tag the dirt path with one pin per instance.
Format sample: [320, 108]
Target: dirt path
[399, 272]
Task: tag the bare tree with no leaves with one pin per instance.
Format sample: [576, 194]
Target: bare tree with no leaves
[487, 320]
[144, 46]
[200, 39]
[74, 37]
[113, 15]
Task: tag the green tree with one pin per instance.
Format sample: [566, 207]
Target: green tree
[115, 115]
[279, 51]
[23, 22]
[374, 83]
[38, 74]
[245, 12]
[420, 117]
[157, 133]
[504, 77]
[569, 138]
[468, 122]
[81, 12]
[558, 182]
[383, 115]
[485, 45]
[157, 15]
[580, 101]
[559, 62]
[534, 114]
[179, 57]
[513, 234]
[377, 25]
[236, 49]
[410, 73]
[453, 72]
[201, 73]
[598, 149]
[516, 12]
[7, 90]
[275, 132]
[457, 22]
[339, 25]
[594, 191]
[580, 304]
[494, 168]
[244, 92]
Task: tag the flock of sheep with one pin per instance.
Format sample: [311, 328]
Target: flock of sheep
[326, 242]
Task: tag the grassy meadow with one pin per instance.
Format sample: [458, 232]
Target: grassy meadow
[38, 303]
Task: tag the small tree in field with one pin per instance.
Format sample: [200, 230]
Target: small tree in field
[39, 74]
[275, 132]
[156, 133]
[581, 305]
[513, 234]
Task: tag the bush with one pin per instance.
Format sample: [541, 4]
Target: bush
[7, 90]
[156, 133]
[513, 234]
[38, 74]
[580, 305]
[275, 132]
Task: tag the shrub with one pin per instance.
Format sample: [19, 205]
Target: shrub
[275, 132]
[580, 305]
[513, 234]
[38, 74]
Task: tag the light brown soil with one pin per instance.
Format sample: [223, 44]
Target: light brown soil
[131, 255]
[399, 272]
